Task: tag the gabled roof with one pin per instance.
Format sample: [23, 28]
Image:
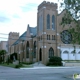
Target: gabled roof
[22, 37]
[33, 30]
[61, 12]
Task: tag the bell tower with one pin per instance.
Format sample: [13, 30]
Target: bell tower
[12, 37]
[46, 28]
[46, 17]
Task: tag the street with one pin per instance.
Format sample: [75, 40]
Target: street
[7, 73]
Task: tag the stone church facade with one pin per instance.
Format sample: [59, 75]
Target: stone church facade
[46, 40]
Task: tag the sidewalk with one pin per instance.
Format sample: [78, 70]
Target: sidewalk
[49, 67]
[42, 66]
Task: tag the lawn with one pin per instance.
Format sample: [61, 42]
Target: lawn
[8, 65]
[14, 66]
[26, 66]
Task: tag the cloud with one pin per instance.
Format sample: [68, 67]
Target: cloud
[16, 16]
[4, 19]
[29, 7]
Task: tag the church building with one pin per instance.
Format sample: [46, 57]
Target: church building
[46, 40]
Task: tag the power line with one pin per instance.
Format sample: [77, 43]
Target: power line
[4, 34]
[21, 37]
[41, 41]
[39, 37]
[3, 38]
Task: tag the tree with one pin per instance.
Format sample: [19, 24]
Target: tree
[0, 56]
[72, 14]
[2, 53]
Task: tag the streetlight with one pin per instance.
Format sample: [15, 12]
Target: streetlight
[8, 59]
[23, 49]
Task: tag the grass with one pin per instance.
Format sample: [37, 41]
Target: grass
[72, 61]
[54, 65]
[13, 65]
[26, 66]
[27, 63]
[8, 65]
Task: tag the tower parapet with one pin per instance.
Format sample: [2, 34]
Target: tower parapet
[13, 36]
[50, 5]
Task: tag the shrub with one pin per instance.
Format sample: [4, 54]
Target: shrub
[27, 63]
[18, 65]
[11, 56]
[8, 60]
[55, 61]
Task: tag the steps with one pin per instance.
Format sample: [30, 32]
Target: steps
[38, 64]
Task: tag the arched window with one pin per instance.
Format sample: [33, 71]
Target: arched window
[48, 21]
[53, 22]
[41, 37]
[51, 52]
[53, 37]
[41, 22]
[34, 53]
[49, 37]
[27, 50]
[72, 52]
[65, 52]
[79, 52]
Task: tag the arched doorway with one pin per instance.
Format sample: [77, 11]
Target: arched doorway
[40, 54]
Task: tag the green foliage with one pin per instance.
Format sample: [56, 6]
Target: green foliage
[72, 15]
[27, 63]
[8, 65]
[18, 65]
[55, 61]
[73, 6]
[9, 60]
[11, 56]
[2, 52]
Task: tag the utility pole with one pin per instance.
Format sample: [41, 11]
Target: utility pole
[32, 49]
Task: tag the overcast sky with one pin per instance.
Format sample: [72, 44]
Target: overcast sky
[15, 15]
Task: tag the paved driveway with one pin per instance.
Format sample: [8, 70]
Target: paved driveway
[7, 73]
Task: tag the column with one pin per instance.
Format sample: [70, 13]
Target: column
[69, 54]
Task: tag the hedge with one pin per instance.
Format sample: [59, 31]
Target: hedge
[55, 61]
